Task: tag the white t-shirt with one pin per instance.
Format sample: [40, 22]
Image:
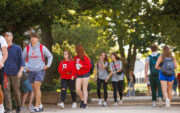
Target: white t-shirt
[3, 43]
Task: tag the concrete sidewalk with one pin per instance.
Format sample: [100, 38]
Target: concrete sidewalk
[130, 105]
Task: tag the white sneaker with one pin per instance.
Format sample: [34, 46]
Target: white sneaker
[61, 105]
[1, 108]
[120, 102]
[100, 102]
[31, 107]
[160, 102]
[74, 105]
[154, 104]
[115, 104]
[105, 103]
[168, 105]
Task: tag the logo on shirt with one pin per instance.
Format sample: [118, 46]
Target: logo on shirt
[64, 66]
[34, 54]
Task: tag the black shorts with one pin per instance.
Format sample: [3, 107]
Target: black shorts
[83, 76]
[1, 76]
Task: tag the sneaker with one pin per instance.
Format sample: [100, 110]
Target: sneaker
[100, 102]
[2, 109]
[105, 103]
[120, 102]
[61, 105]
[168, 105]
[154, 104]
[160, 102]
[8, 111]
[31, 107]
[74, 105]
[35, 110]
[82, 104]
[115, 104]
[85, 106]
[18, 109]
[41, 108]
[24, 108]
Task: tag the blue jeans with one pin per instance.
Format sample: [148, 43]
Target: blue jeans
[131, 91]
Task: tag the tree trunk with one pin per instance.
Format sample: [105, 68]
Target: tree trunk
[47, 40]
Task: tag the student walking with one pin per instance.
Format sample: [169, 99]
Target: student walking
[67, 70]
[13, 68]
[117, 77]
[83, 66]
[166, 63]
[3, 57]
[35, 54]
[154, 75]
[101, 73]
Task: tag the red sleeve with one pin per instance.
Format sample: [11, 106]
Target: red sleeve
[60, 68]
[73, 68]
[87, 63]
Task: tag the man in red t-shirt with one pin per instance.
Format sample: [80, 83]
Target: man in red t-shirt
[178, 80]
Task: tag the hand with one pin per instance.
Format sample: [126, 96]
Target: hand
[45, 68]
[72, 78]
[80, 65]
[19, 75]
[27, 70]
[107, 79]
[1, 65]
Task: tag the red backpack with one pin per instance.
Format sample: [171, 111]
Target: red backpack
[40, 47]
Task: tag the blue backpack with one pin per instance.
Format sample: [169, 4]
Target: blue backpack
[168, 66]
[153, 60]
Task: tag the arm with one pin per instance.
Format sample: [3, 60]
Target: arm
[49, 56]
[120, 64]
[175, 63]
[158, 62]
[5, 55]
[60, 68]
[110, 74]
[103, 65]
[87, 64]
[22, 63]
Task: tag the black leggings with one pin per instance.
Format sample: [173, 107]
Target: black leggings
[99, 84]
[117, 86]
[68, 83]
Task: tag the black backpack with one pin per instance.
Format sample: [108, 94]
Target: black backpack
[92, 68]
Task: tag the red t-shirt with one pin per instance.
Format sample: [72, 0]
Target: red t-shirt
[86, 65]
[67, 69]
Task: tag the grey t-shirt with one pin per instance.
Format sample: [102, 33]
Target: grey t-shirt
[102, 73]
[116, 77]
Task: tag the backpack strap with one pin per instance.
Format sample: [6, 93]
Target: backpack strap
[41, 50]
[27, 58]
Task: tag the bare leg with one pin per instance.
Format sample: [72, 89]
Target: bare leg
[85, 90]
[78, 88]
[24, 99]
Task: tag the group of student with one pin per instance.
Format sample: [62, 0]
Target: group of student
[27, 67]
[162, 74]
[30, 66]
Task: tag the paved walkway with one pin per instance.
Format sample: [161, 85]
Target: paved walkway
[131, 105]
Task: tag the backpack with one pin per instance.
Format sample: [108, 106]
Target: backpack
[40, 47]
[92, 68]
[168, 66]
[153, 60]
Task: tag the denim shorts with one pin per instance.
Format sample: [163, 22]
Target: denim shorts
[26, 86]
[83, 76]
[166, 78]
[36, 76]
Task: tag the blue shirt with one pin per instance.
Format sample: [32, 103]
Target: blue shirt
[14, 61]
